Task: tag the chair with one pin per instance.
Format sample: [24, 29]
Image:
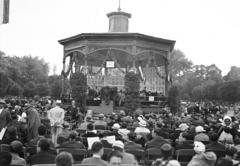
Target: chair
[5, 148]
[138, 153]
[153, 154]
[184, 156]
[78, 154]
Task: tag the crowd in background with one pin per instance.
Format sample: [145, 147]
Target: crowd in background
[43, 132]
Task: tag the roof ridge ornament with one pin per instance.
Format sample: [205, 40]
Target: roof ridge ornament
[119, 5]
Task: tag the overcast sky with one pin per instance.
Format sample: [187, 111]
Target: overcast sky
[207, 31]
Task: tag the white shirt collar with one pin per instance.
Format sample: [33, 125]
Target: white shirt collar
[96, 156]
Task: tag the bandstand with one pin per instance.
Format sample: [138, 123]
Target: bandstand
[106, 57]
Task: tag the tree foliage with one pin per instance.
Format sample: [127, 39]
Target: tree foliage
[132, 87]
[78, 82]
[26, 76]
[174, 99]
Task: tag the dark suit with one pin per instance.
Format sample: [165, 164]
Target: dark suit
[106, 144]
[90, 134]
[5, 118]
[132, 145]
[185, 145]
[156, 142]
[42, 158]
[94, 161]
[215, 146]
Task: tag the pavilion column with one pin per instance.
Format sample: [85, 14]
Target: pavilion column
[63, 78]
[167, 81]
[134, 54]
[86, 50]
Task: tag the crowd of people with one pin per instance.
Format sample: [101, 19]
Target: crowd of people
[44, 132]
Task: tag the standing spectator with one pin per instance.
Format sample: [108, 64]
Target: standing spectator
[97, 150]
[33, 121]
[73, 111]
[64, 159]
[56, 117]
[5, 158]
[16, 149]
[5, 117]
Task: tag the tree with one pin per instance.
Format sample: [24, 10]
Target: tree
[178, 65]
[132, 87]
[233, 74]
[55, 83]
[174, 99]
[78, 82]
[230, 91]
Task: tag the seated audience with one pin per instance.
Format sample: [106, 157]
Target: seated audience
[64, 159]
[83, 126]
[11, 135]
[166, 158]
[100, 121]
[44, 156]
[127, 157]
[157, 140]
[131, 144]
[90, 131]
[115, 158]
[200, 134]
[41, 134]
[72, 143]
[202, 158]
[97, 150]
[16, 149]
[5, 159]
[104, 141]
[123, 131]
[214, 144]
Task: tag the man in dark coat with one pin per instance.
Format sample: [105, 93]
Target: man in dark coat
[5, 117]
[44, 156]
[157, 140]
[214, 144]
